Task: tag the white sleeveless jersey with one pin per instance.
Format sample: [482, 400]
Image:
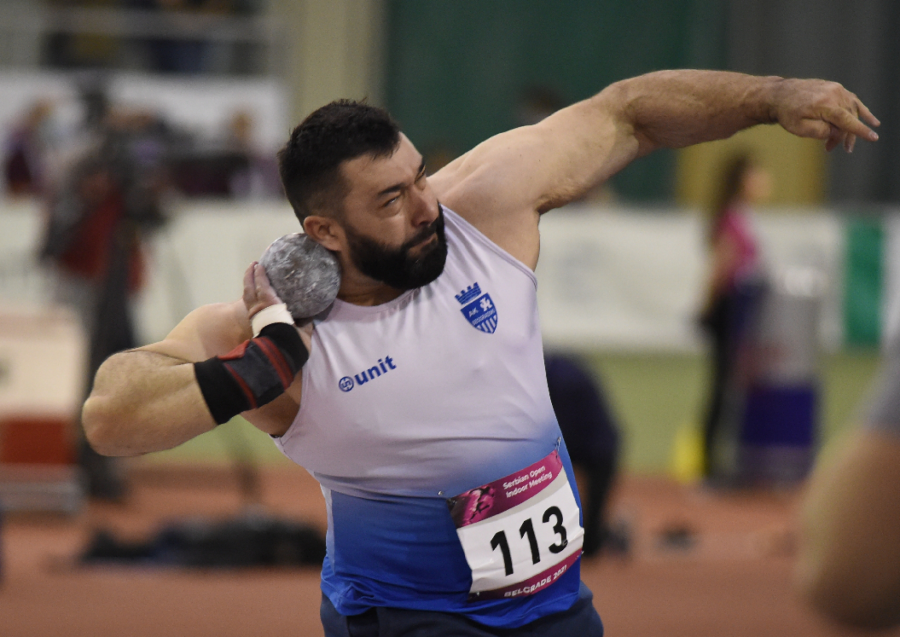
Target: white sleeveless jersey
[411, 402]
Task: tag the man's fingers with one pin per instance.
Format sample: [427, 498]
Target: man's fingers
[826, 111]
[836, 137]
[249, 276]
[249, 294]
[849, 123]
[260, 279]
[264, 290]
[866, 115]
[258, 292]
[839, 126]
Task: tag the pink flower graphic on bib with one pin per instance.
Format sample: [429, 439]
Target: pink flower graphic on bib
[476, 504]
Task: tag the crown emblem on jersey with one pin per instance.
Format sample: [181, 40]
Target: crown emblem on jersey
[478, 308]
[468, 294]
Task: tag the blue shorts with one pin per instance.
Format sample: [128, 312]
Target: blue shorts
[582, 620]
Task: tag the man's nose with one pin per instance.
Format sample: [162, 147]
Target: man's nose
[425, 206]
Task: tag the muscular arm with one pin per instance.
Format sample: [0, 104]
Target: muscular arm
[674, 109]
[161, 411]
[849, 562]
[505, 183]
[148, 399]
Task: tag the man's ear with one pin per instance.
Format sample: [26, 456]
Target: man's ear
[323, 230]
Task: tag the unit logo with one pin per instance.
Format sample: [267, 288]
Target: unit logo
[383, 366]
[478, 309]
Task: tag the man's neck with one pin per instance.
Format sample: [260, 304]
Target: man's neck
[362, 290]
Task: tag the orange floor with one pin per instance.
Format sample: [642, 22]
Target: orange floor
[734, 580]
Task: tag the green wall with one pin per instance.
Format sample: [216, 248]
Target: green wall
[655, 395]
[863, 281]
[457, 69]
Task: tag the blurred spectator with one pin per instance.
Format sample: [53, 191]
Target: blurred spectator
[181, 55]
[849, 562]
[162, 36]
[592, 438]
[108, 198]
[733, 293]
[228, 165]
[26, 146]
[80, 50]
[259, 178]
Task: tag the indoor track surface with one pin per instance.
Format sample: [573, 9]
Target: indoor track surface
[700, 563]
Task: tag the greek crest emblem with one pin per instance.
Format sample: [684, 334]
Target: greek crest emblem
[478, 309]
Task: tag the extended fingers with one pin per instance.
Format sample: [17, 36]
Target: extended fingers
[249, 276]
[264, 290]
[249, 294]
[838, 137]
[827, 111]
[835, 137]
[848, 122]
[258, 292]
[866, 114]
[260, 280]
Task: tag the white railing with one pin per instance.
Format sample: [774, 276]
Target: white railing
[24, 27]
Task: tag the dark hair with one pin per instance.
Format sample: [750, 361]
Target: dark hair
[732, 180]
[342, 130]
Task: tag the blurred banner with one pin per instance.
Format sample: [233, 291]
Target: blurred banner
[609, 278]
[633, 279]
[629, 280]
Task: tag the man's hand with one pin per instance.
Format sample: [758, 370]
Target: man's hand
[258, 292]
[822, 110]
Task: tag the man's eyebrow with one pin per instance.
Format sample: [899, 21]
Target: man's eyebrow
[400, 186]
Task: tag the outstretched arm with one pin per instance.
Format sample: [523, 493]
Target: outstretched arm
[149, 399]
[505, 183]
[674, 109]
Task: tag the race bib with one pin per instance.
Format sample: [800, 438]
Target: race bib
[519, 533]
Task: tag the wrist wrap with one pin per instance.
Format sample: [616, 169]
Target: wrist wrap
[254, 373]
[267, 316]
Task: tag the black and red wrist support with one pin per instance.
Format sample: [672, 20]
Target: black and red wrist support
[254, 373]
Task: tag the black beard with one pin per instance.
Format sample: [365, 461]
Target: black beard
[395, 267]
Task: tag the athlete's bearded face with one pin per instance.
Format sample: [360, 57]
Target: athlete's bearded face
[415, 263]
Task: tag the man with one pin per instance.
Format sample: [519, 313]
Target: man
[849, 562]
[587, 423]
[107, 200]
[425, 412]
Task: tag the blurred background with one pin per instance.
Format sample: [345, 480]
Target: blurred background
[139, 179]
